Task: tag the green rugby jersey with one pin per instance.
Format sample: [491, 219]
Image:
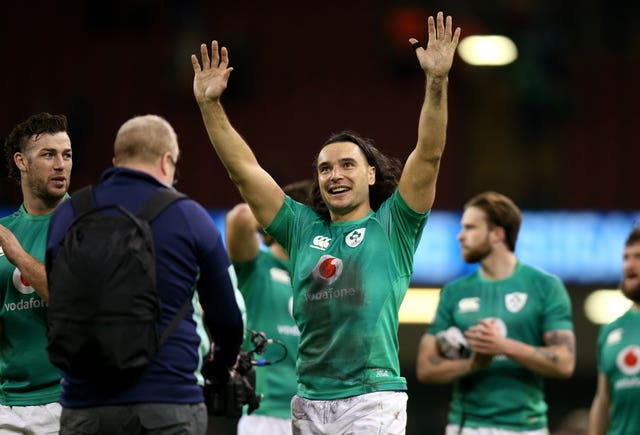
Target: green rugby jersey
[619, 360]
[26, 375]
[526, 305]
[349, 279]
[265, 285]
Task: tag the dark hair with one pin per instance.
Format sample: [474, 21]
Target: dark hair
[299, 191]
[18, 139]
[388, 171]
[634, 236]
[501, 212]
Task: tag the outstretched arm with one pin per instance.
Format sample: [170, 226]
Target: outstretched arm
[418, 181]
[257, 187]
[31, 269]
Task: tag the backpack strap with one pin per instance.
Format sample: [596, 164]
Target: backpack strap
[149, 210]
[82, 200]
[158, 202]
[183, 310]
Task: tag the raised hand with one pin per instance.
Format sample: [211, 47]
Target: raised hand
[210, 79]
[437, 58]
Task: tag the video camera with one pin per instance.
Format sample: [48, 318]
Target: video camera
[225, 393]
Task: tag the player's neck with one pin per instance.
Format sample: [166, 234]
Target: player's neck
[498, 265]
[37, 206]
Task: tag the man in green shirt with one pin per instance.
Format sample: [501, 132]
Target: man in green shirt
[614, 410]
[265, 283]
[515, 320]
[38, 154]
[351, 252]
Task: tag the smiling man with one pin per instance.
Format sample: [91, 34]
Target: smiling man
[38, 157]
[351, 251]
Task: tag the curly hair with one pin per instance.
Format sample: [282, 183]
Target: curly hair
[18, 140]
[388, 170]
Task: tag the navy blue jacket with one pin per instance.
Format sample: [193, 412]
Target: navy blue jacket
[189, 252]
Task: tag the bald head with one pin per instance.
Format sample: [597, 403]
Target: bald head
[144, 139]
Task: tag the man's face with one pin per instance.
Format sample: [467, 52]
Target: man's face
[45, 166]
[474, 236]
[344, 177]
[631, 272]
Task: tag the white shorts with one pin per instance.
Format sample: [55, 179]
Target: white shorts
[30, 420]
[454, 429]
[263, 424]
[382, 412]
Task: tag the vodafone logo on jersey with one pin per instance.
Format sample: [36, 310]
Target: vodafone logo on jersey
[628, 360]
[20, 283]
[328, 269]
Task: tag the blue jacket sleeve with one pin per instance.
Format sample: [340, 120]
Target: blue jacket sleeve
[217, 295]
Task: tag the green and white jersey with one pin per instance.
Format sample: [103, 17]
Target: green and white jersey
[349, 279]
[619, 360]
[525, 306]
[26, 375]
[266, 286]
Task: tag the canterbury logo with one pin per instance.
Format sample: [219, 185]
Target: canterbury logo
[1, 252]
[320, 242]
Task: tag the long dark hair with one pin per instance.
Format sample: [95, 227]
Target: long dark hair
[388, 172]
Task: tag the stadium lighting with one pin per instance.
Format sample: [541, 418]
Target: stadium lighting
[419, 305]
[603, 306]
[487, 50]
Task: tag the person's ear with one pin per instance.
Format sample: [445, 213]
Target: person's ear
[19, 160]
[372, 175]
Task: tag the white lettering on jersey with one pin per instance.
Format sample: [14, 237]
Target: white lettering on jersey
[614, 336]
[468, 305]
[280, 275]
[288, 330]
[320, 242]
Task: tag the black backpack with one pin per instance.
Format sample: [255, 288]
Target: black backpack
[103, 305]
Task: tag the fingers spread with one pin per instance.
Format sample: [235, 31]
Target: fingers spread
[195, 63]
[440, 23]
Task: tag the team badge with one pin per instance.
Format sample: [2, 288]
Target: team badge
[628, 360]
[355, 237]
[515, 301]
